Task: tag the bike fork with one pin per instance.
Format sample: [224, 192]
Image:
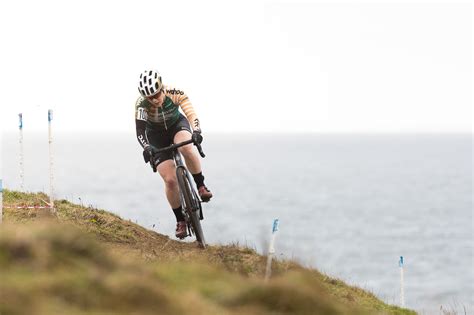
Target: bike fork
[183, 202]
[191, 180]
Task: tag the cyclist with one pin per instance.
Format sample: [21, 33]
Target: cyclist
[159, 123]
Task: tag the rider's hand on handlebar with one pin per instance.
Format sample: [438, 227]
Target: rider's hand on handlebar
[148, 153]
[197, 137]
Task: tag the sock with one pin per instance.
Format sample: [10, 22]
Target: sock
[178, 212]
[198, 179]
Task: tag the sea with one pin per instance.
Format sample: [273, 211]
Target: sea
[349, 205]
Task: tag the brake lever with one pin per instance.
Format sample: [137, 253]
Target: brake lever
[198, 145]
[152, 164]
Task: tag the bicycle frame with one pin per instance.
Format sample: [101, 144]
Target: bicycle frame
[189, 200]
[178, 160]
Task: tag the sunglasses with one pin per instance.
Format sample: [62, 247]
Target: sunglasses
[157, 95]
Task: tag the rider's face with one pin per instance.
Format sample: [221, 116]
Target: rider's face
[157, 99]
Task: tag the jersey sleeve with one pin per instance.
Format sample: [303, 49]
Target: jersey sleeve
[141, 116]
[182, 100]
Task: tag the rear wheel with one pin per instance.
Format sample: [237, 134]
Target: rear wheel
[191, 205]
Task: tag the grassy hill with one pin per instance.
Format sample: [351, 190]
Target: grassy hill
[82, 260]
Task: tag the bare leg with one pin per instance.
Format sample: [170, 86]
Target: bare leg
[194, 164]
[167, 171]
[189, 153]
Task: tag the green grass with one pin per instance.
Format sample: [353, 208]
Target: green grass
[82, 260]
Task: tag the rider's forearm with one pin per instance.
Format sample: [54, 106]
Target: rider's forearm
[188, 110]
[141, 133]
[191, 116]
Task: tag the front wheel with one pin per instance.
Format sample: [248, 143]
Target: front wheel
[192, 205]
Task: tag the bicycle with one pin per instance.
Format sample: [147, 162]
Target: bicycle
[190, 201]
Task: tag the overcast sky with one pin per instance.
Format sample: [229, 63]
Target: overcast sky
[246, 65]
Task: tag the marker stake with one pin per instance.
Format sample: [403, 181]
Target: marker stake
[51, 178]
[402, 291]
[271, 250]
[22, 169]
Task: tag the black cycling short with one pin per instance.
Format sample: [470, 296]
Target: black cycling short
[162, 138]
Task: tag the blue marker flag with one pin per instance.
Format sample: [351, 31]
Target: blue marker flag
[50, 114]
[20, 115]
[275, 225]
[400, 263]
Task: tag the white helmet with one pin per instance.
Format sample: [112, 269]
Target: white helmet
[150, 83]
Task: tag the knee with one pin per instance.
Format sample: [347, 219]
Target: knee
[187, 150]
[170, 181]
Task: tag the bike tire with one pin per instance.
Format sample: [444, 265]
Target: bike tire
[191, 205]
